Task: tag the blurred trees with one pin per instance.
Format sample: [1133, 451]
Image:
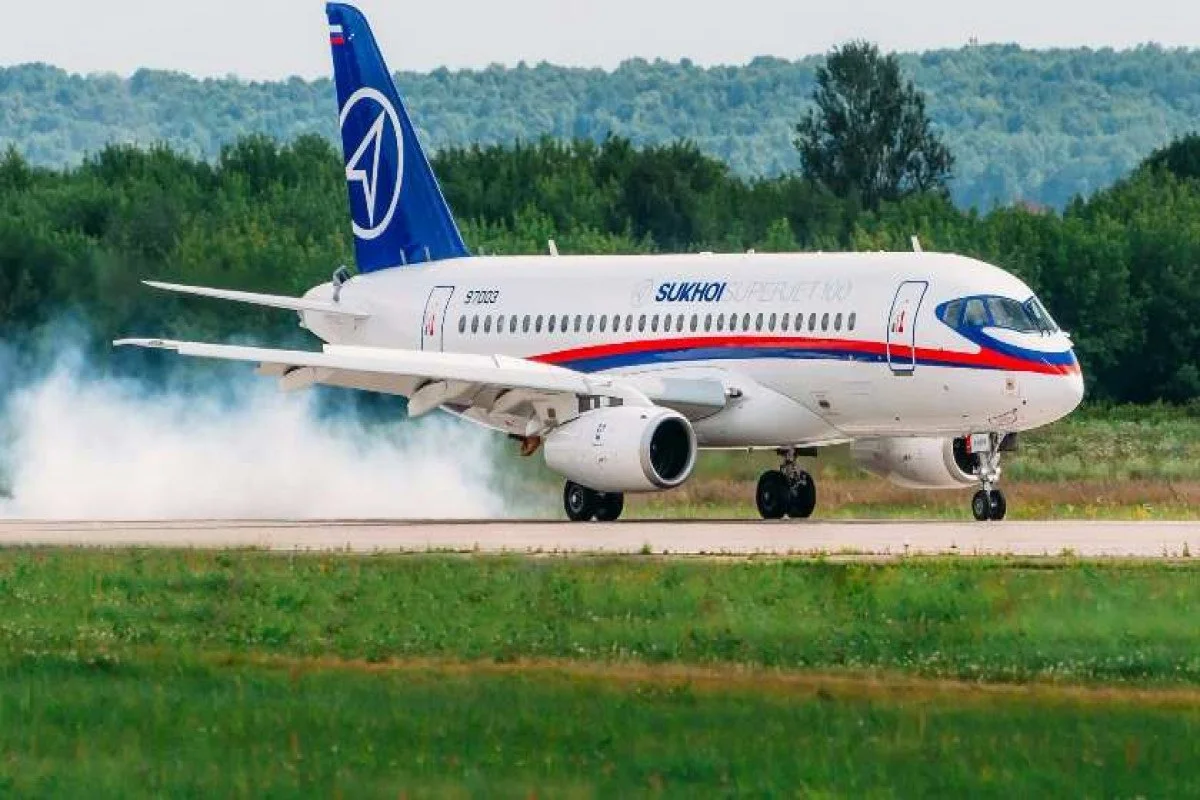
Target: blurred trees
[868, 136]
[1039, 126]
[1120, 270]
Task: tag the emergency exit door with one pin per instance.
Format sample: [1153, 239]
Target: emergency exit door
[433, 325]
[902, 327]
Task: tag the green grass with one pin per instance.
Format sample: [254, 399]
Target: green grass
[185, 673]
[943, 618]
[149, 729]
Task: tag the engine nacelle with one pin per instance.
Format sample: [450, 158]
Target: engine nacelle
[624, 449]
[917, 462]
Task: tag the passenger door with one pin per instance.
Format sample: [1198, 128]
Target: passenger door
[902, 327]
[433, 325]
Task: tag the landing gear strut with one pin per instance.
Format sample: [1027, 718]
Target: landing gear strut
[787, 491]
[989, 502]
[583, 504]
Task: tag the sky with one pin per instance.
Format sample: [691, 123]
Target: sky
[271, 39]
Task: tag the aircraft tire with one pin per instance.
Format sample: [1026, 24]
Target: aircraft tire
[981, 506]
[579, 502]
[609, 506]
[772, 495]
[802, 497]
[997, 505]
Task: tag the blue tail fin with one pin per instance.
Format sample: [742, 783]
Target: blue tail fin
[399, 214]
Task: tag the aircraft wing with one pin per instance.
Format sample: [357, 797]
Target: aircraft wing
[512, 394]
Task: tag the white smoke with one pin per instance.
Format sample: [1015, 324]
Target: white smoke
[85, 448]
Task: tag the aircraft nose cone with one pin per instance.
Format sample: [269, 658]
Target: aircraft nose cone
[1073, 390]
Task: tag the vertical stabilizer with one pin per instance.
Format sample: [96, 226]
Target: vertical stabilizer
[398, 212]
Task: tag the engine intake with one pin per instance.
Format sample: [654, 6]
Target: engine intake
[624, 449]
[917, 462]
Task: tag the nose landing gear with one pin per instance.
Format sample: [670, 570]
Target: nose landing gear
[788, 491]
[989, 502]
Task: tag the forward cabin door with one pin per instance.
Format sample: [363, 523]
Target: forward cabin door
[433, 325]
[902, 327]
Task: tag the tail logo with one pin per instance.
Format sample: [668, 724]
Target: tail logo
[377, 163]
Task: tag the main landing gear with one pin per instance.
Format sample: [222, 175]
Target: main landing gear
[787, 491]
[989, 502]
[584, 504]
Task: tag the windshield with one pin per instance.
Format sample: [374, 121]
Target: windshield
[1040, 315]
[998, 312]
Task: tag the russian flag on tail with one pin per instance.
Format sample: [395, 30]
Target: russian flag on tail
[336, 37]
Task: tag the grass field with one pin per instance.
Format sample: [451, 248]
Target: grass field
[254, 674]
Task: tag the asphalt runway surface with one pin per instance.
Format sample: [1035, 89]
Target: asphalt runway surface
[1081, 538]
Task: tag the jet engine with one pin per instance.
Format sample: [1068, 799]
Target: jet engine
[917, 462]
[624, 449]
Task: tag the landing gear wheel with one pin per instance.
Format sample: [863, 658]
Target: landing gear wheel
[609, 506]
[997, 505]
[981, 506]
[802, 497]
[580, 502]
[773, 495]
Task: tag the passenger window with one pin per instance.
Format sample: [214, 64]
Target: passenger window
[746, 322]
[837, 322]
[695, 322]
[462, 324]
[525, 324]
[552, 322]
[487, 324]
[475, 324]
[603, 322]
[758, 322]
[642, 323]
[512, 324]
[654, 324]
[628, 323]
[537, 326]
[975, 315]
[667, 323]
[783, 322]
[616, 326]
[500, 324]
[679, 323]
[733, 322]
[591, 322]
[720, 322]
[564, 324]
[850, 321]
[812, 322]
[708, 322]
[825, 321]
[771, 324]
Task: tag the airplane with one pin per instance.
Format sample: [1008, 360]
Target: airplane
[620, 368]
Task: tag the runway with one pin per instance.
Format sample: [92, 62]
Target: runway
[869, 539]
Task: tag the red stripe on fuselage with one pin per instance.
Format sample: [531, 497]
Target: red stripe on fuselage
[985, 359]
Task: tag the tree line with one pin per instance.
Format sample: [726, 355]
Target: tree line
[1120, 270]
[1033, 125]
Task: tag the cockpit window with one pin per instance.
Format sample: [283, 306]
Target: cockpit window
[1011, 314]
[976, 315]
[998, 312]
[1040, 315]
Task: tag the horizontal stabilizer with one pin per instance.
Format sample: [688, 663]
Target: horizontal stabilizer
[268, 300]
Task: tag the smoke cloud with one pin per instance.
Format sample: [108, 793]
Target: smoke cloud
[77, 447]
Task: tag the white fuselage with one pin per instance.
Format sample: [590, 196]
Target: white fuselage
[817, 347]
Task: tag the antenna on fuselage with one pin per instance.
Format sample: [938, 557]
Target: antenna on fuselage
[553, 247]
[916, 245]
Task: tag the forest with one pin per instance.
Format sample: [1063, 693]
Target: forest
[1037, 126]
[1120, 270]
